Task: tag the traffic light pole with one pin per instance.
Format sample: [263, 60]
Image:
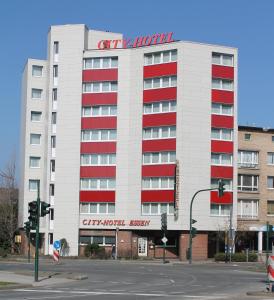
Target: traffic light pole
[267, 241]
[190, 222]
[28, 246]
[36, 266]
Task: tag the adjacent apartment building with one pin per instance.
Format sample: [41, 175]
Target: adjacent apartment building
[255, 186]
[105, 121]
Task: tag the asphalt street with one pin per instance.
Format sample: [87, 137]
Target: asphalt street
[136, 280]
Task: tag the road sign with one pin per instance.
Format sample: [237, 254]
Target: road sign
[57, 245]
[164, 239]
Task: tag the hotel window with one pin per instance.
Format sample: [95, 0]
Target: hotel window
[51, 189]
[248, 159]
[35, 116]
[157, 208]
[54, 94]
[36, 93]
[159, 157]
[248, 183]
[248, 209]
[270, 182]
[159, 132]
[97, 208]
[37, 71]
[34, 162]
[270, 158]
[99, 135]
[222, 109]
[270, 207]
[56, 47]
[33, 185]
[97, 184]
[222, 59]
[160, 57]
[99, 111]
[272, 138]
[35, 139]
[99, 240]
[53, 141]
[158, 183]
[227, 182]
[98, 159]
[220, 159]
[220, 210]
[222, 84]
[221, 134]
[101, 63]
[159, 107]
[247, 136]
[100, 87]
[55, 71]
[53, 118]
[160, 82]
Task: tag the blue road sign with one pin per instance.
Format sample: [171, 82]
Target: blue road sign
[57, 245]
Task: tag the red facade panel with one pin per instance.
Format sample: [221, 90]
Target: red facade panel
[222, 121]
[158, 170]
[99, 99]
[221, 172]
[98, 147]
[220, 96]
[154, 95]
[99, 123]
[222, 72]
[158, 196]
[159, 70]
[227, 198]
[98, 171]
[221, 147]
[100, 75]
[163, 119]
[159, 145]
[97, 196]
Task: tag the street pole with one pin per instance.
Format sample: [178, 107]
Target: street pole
[230, 233]
[190, 222]
[36, 266]
[116, 242]
[267, 241]
[164, 253]
[28, 246]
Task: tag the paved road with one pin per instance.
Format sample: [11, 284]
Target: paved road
[132, 280]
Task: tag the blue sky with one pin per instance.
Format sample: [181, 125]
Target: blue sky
[247, 25]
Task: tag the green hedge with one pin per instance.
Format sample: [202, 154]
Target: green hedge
[237, 257]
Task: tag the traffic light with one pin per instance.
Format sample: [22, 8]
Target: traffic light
[27, 227]
[33, 214]
[44, 208]
[193, 229]
[164, 222]
[221, 188]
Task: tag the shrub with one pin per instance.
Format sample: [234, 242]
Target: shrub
[236, 257]
[239, 257]
[252, 257]
[91, 250]
[3, 252]
[219, 256]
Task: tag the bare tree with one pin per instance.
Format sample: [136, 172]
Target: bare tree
[8, 204]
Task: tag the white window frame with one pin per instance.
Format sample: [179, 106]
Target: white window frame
[170, 183]
[37, 67]
[112, 65]
[112, 87]
[170, 209]
[221, 55]
[221, 108]
[220, 214]
[270, 214]
[37, 113]
[221, 84]
[37, 134]
[40, 92]
[100, 131]
[98, 184]
[220, 158]
[160, 133]
[160, 104]
[33, 181]
[253, 187]
[254, 203]
[161, 57]
[99, 159]
[100, 112]
[221, 131]
[160, 154]
[152, 80]
[254, 159]
[98, 204]
[270, 178]
[270, 155]
[37, 158]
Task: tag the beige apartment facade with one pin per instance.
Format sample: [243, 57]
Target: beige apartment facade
[255, 186]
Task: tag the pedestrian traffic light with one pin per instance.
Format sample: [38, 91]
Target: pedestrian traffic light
[221, 188]
[193, 229]
[33, 214]
[44, 208]
[164, 222]
[27, 227]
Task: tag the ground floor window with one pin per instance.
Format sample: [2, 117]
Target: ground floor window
[97, 208]
[100, 240]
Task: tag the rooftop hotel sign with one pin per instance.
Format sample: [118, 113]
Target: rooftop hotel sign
[157, 38]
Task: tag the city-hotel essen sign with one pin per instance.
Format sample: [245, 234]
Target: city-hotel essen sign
[115, 222]
[157, 38]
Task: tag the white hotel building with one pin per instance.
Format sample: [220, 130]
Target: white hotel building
[104, 121]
